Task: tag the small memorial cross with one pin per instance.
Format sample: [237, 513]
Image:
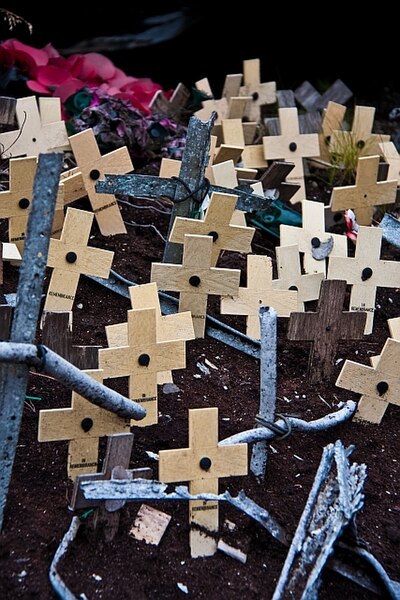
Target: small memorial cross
[360, 137]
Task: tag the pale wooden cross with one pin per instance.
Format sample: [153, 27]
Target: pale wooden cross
[394, 329]
[74, 185]
[379, 385]
[360, 138]
[392, 157]
[311, 235]
[236, 135]
[93, 166]
[174, 106]
[365, 272]
[178, 326]
[202, 464]
[217, 224]
[325, 328]
[261, 93]
[366, 193]
[70, 256]
[16, 202]
[290, 276]
[232, 103]
[144, 356]
[41, 129]
[82, 425]
[195, 279]
[259, 291]
[332, 120]
[293, 146]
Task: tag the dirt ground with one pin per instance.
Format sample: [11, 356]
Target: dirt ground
[37, 514]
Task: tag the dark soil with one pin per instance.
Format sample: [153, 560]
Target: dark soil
[37, 515]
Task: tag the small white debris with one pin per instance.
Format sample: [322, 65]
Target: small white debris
[225, 387]
[232, 552]
[150, 525]
[286, 399]
[196, 376]
[323, 400]
[170, 388]
[203, 368]
[182, 562]
[152, 455]
[225, 419]
[80, 305]
[183, 588]
[22, 574]
[210, 364]
[338, 361]
[229, 525]
[274, 450]
[298, 457]
[97, 577]
[303, 396]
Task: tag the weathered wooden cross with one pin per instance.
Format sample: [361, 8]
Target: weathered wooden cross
[379, 385]
[82, 425]
[261, 93]
[174, 106]
[360, 137]
[70, 257]
[16, 202]
[365, 272]
[332, 120]
[325, 328]
[259, 291]
[178, 326]
[293, 146]
[144, 356]
[202, 464]
[311, 235]
[195, 279]
[41, 129]
[290, 276]
[311, 99]
[367, 192]
[92, 166]
[217, 224]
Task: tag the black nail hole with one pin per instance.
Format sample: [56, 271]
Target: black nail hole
[87, 424]
[214, 235]
[205, 463]
[360, 144]
[94, 174]
[292, 146]
[327, 140]
[255, 96]
[328, 328]
[194, 280]
[23, 203]
[382, 387]
[294, 288]
[144, 360]
[315, 242]
[71, 257]
[366, 273]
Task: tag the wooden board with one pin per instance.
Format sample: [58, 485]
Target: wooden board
[332, 120]
[202, 464]
[195, 279]
[389, 152]
[259, 291]
[365, 272]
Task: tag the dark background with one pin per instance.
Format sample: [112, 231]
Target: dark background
[294, 42]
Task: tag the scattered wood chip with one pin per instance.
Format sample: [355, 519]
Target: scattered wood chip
[232, 552]
[150, 525]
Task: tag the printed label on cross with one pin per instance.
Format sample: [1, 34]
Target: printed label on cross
[261, 93]
[217, 224]
[142, 359]
[290, 277]
[196, 279]
[325, 328]
[70, 257]
[379, 386]
[93, 167]
[41, 129]
[366, 193]
[332, 120]
[292, 146]
[311, 235]
[360, 138]
[175, 327]
[259, 291]
[202, 464]
[392, 157]
[16, 202]
[365, 272]
[82, 425]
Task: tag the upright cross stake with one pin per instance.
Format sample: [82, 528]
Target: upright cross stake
[70, 257]
[93, 166]
[14, 377]
[365, 272]
[360, 137]
[332, 121]
[261, 93]
[325, 328]
[202, 464]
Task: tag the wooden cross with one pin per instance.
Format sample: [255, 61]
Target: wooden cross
[41, 129]
[292, 146]
[311, 99]
[82, 425]
[261, 93]
[365, 272]
[174, 106]
[57, 335]
[394, 329]
[195, 279]
[144, 356]
[178, 326]
[392, 157]
[379, 385]
[70, 257]
[229, 106]
[259, 290]
[274, 178]
[93, 166]
[202, 464]
[16, 202]
[366, 193]
[325, 328]
[290, 277]
[360, 137]
[311, 235]
[217, 224]
[332, 120]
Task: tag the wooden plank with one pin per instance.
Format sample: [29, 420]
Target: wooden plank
[389, 152]
[6, 313]
[8, 119]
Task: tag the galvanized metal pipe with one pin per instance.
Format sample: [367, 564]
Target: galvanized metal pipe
[47, 361]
